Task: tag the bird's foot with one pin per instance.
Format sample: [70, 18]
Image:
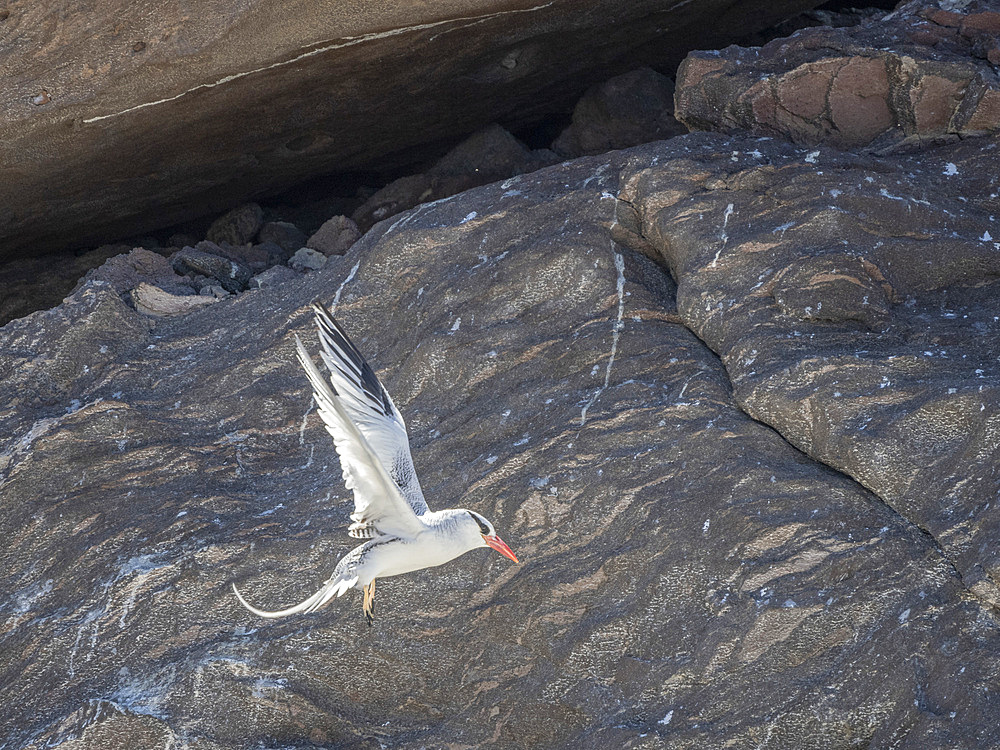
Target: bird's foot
[368, 603]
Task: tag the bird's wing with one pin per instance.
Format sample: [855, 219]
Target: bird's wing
[378, 503]
[370, 406]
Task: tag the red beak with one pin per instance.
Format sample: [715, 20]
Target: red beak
[500, 546]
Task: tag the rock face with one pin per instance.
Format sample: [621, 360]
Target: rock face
[124, 117]
[627, 110]
[489, 155]
[918, 75]
[756, 508]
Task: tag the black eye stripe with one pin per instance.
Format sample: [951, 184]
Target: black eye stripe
[483, 528]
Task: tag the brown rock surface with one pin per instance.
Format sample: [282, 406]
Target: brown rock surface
[916, 76]
[121, 116]
[335, 236]
[688, 577]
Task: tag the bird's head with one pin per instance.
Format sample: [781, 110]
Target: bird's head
[479, 525]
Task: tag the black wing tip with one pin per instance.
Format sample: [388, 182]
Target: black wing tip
[370, 383]
[320, 309]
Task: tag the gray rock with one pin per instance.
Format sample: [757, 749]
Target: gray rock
[30, 284]
[182, 239]
[489, 155]
[152, 300]
[335, 237]
[272, 277]
[254, 257]
[232, 275]
[237, 227]
[633, 108]
[275, 254]
[284, 234]
[854, 302]
[248, 104]
[689, 576]
[305, 258]
[213, 290]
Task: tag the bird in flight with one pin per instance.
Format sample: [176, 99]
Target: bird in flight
[390, 512]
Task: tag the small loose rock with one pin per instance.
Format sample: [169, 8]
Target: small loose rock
[307, 259]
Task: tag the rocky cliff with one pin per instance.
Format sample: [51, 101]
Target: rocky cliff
[733, 401]
[122, 117]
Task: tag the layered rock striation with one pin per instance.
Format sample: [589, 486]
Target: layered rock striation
[123, 118]
[754, 508]
[919, 75]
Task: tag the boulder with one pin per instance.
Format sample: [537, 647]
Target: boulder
[487, 156]
[152, 300]
[122, 118]
[307, 259]
[918, 76]
[284, 234]
[238, 226]
[334, 237]
[633, 108]
[740, 523]
[231, 274]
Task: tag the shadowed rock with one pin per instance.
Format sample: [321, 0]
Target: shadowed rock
[633, 108]
[121, 118]
[688, 576]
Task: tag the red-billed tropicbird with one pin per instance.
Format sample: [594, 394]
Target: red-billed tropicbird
[389, 507]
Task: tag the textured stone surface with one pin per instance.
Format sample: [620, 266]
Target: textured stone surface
[232, 275]
[335, 236]
[152, 300]
[39, 283]
[238, 226]
[307, 258]
[284, 234]
[917, 76]
[486, 156]
[855, 303]
[688, 577]
[121, 117]
[633, 108]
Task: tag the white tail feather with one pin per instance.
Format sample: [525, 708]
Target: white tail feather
[331, 589]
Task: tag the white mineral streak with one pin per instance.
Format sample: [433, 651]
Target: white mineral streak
[615, 333]
[723, 235]
[340, 289]
[347, 41]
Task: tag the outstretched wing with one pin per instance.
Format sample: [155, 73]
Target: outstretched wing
[370, 407]
[378, 503]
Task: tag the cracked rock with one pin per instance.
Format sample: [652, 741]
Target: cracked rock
[915, 78]
[906, 402]
[689, 575]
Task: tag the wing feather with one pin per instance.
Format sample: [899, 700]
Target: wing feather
[377, 499]
[370, 406]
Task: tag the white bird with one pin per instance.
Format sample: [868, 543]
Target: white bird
[389, 507]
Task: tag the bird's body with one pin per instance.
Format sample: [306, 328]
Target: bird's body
[389, 507]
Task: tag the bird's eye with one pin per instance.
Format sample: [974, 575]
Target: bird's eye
[483, 528]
